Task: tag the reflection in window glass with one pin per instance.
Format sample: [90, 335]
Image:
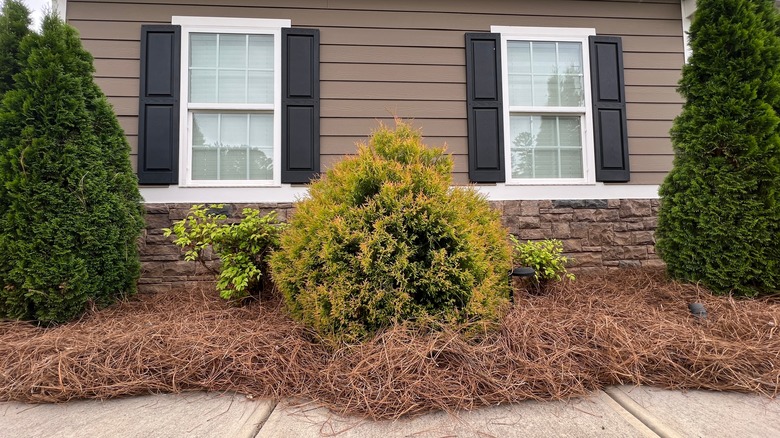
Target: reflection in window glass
[232, 146]
[546, 146]
[545, 73]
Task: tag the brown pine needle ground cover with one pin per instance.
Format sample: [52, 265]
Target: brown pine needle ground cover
[605, 328]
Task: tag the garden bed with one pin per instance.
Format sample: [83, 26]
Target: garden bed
[607, 327]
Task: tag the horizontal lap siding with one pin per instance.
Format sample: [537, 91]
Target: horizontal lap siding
[405, 58]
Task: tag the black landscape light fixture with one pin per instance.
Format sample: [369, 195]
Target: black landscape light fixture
[522, 272]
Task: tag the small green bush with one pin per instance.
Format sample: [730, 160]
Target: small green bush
[242, 247]
[383, 238]
[545, 256]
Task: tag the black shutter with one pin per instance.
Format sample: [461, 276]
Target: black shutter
[158, 112]
[609, 109]
[300, 104]
[485, 110]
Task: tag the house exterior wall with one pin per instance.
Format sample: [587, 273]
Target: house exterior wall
[406, 58]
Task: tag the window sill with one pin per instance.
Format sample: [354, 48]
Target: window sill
[549, 182]
[230, 186]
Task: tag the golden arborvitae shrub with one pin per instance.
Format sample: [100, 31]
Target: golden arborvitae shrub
[383, 238]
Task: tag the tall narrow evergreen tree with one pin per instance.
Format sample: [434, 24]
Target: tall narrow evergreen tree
[68, 235]
[14, 25]
[719, 221]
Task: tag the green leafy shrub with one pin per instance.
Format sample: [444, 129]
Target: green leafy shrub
[242, 247]
[382, 238]
[719, 219]
[545, 256]
[72, 212]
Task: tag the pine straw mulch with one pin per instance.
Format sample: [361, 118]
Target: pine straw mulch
[605, 328]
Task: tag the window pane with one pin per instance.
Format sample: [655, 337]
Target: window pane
[522, 143]
[261, 131]
[203, 50]
[261, 52]
[519, 53]
[569, 58]
[232, 164]
[233, 130]
[232, 86]
[261, 87]
[204, 164]
[570, 131]
[203, 86]
[546, 130]
[232, 51]
[544, 62]
[520, 92]
[261, 140]
[546, 146]
[571, 163]
[261, 166]
[232, 146]
[545, 163]
[205, 130]
[546, 91]
[571, 91]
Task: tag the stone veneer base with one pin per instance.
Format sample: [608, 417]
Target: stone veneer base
[596, 233]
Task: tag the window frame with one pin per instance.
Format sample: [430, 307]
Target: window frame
[549, 34]
[688, 10]
[247, 26]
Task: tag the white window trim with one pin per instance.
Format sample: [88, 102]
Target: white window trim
[688, 8]
[556, 34]
[227, 25]
[60, 8]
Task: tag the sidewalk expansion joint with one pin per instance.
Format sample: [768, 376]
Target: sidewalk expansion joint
[257, 420]
[640, 413]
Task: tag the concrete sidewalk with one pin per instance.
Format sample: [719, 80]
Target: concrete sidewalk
[615, 412]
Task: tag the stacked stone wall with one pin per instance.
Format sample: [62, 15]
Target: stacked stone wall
[596, 233]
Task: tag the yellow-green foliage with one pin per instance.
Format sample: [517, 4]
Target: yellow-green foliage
[382, 238]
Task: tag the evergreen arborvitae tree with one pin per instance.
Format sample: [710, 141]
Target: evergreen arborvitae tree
[14, 25]
[719, 221]
[68, 235]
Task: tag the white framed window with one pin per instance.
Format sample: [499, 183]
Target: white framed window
[230, 130]
[548, 121]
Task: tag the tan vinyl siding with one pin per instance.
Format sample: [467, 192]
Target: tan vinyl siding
[406, 58]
